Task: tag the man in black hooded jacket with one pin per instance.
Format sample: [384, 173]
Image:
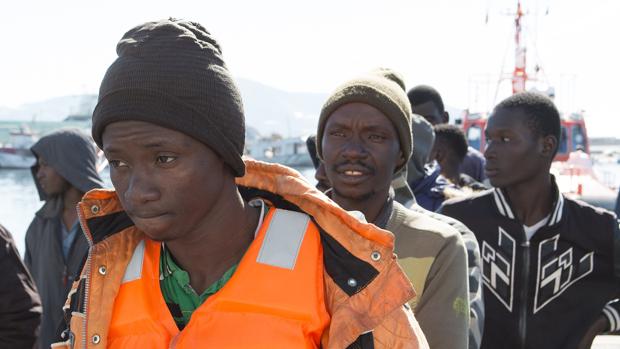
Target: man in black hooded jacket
[550, 264]
[66, 168]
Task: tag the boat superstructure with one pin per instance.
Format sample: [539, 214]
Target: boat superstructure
[16, 152]
[572, 166]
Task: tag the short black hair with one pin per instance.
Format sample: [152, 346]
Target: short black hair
[424, 93]
[543, 118]
[454, 137]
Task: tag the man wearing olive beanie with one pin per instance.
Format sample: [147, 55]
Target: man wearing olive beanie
[381, 89]
[364, 138]
[198, 248]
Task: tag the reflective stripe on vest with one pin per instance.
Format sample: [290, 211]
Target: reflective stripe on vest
[273, 300]
[134, 268]
[283, 239]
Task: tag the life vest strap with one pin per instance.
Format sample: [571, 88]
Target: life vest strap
[283, 239]
[134, 268]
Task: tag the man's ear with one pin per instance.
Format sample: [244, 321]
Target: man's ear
[446, 117]
[549, 144]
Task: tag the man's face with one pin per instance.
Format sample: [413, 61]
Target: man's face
[430, 112]
[166, 181]
[441, 153]
[49, 180]
[361, 150]
[514, 153]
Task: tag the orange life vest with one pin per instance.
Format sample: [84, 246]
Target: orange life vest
[275, 298]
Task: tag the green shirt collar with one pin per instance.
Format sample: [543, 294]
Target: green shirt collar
[181, 298]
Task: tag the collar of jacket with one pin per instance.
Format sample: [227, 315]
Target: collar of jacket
[51, 209]
[504, 207]
[384, 215]
[292, 187]
[352, 313]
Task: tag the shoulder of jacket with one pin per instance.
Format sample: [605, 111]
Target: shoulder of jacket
[36, 228]
[51, 209]
[474, 197]
[467, 202]
[583, 214]
[583, 208]
[414, 222]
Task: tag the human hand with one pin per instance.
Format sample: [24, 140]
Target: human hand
[599, 326]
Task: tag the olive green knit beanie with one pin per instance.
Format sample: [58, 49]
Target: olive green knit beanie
[382, 89]
[171, 73]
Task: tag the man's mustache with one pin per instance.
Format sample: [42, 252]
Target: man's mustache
[357, 164]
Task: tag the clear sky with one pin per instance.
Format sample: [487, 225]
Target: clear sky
[56, 48]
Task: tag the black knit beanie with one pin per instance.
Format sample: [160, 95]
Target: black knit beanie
[171, 73]
[383, 89]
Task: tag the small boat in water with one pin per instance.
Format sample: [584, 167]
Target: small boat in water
[16, 153]
[291, 151]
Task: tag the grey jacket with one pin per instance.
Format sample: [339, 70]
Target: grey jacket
[474, 270]
[20, 307]
[73, 156]
[423, 142]
[403, 194]
[433, 256]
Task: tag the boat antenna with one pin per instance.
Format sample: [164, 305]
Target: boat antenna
[519, 75]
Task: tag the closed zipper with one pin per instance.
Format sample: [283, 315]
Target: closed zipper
[525, 250]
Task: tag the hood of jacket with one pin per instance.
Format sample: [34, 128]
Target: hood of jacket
[73, 155]
[423, 139]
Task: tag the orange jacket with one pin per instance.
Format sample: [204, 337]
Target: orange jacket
[364, 290]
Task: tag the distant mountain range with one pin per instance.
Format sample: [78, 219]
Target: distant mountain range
[54, 109]
[268, 110]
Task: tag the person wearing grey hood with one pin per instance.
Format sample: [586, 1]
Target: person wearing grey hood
[423, 139]
[422, 145]
[55, 246]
